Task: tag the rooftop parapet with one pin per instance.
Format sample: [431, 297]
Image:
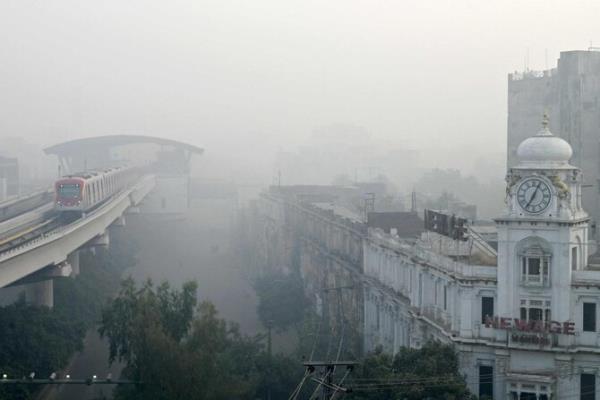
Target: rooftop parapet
[317, 204]
[519, 76]
[339, 214]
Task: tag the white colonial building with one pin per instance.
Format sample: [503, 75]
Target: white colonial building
[525, 324]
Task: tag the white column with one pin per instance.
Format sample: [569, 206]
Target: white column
[466, 300]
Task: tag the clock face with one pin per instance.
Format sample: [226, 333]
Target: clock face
[534, 195]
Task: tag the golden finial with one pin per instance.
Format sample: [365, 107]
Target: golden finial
[545, 120]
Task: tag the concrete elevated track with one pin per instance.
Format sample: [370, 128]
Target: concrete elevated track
[36, 244]
[36, 240]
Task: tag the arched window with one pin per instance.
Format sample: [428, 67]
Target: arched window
[535, 258]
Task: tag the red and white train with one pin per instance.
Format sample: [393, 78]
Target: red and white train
[84, 191]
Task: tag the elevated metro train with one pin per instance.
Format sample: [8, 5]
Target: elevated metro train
[84, 191]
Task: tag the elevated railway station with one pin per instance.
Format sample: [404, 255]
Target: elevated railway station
[40, 237]
[112, 150]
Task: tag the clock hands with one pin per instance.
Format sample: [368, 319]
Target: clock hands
[533, 195]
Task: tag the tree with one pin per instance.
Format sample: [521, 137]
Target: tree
[42, 340]
[178, 350]
[281, 300]
[34, 339]
[430, 372]
[145, 328]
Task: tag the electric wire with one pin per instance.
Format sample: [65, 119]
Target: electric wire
[377, 385]
[559, 371]
[317, 336]
[331, 333]
[343, 320]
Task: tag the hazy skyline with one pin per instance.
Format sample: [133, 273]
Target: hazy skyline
[260, 76]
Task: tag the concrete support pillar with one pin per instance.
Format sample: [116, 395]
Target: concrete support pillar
[40, 293]
[119, 221]
[102, 240]
[133, 210]
[73, 260]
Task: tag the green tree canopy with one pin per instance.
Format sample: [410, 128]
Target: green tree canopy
[34, 339]
[430, 372]
[281, 299]
[42, 340]
[178, 350]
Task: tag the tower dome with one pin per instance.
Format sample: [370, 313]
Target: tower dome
[544, 150]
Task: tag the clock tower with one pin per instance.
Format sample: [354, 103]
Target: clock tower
[543, 234]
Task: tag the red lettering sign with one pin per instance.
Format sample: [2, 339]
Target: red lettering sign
[537, 326]
[491, 323]
[566, 328]
[521, 324]
[555, 327]
[569, 328]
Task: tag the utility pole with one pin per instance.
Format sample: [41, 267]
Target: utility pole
[329, 389]
[65, 381]
[270, 353]
[369, 204]
[326, 384]
[269, 340]
[329, 381]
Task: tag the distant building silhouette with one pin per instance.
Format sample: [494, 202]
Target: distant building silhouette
[9, 177]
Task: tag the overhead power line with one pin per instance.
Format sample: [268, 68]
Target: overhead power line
[88, 381]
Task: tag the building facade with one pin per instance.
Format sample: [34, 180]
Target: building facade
[524, 324]
[299, 230]
[525, 328]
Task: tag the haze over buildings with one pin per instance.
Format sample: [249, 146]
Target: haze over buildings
[346, 177]
[247, 79]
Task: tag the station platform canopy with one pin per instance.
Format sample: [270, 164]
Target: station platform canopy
[110, 150]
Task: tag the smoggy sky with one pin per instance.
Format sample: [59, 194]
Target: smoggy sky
[256, 76]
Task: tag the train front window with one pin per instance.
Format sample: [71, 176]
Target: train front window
[69, 191]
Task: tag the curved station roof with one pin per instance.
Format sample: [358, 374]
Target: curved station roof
[97, 152]
[108, 141]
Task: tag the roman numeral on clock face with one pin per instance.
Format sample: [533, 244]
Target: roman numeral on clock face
[534, 195]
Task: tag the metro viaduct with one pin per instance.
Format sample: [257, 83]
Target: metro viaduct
[36, 261]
